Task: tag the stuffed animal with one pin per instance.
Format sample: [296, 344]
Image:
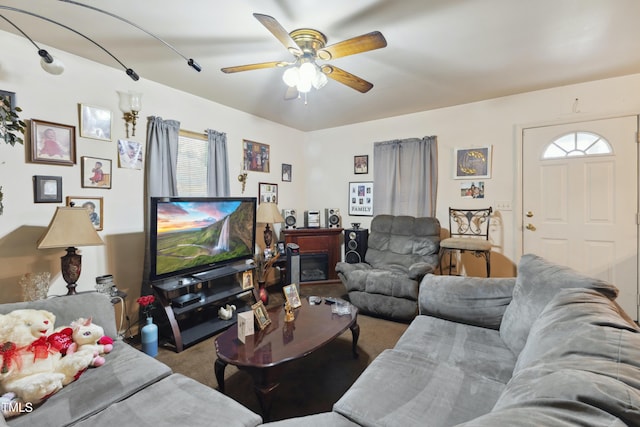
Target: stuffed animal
[88, 336]
[31, 365]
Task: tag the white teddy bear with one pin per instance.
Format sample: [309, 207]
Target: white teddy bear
[32, 363]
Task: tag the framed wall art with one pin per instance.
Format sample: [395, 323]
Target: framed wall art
[47, 189]
[255, 156]
[361, 164]
[94, 207]
[129, 154]
[53, 143]
[286, 172]
[472, 162]
[95, 122]
[11, 96]
[267, 192]
[361, 198]
[96, 173]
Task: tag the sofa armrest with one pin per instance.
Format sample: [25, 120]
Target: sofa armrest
[419, 269]
[472, 300]
[70, 308]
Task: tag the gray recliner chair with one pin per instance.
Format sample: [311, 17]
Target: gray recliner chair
[401, 250]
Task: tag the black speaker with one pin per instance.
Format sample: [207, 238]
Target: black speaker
[355, 245]
[332, 218]
[290, 218]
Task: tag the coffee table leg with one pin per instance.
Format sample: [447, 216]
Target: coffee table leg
[219, 370]
[265, 382]
[355, 333]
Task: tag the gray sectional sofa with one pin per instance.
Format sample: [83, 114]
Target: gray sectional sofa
[131, 388]
[548, 348]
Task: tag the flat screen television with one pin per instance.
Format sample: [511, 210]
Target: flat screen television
[192, 235]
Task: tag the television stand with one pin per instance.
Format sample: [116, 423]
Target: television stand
[191, 303]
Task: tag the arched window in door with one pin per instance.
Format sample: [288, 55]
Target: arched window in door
[577, 144]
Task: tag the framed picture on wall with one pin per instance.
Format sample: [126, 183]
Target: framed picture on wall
[472, 162]
[94, 207]
[286, 172]
[96, 173]
[53, 143]
[95, 122]
[11, 96]
[361, 164]
[361, 198]
[47, 189]
[267, 192]
[255, 156]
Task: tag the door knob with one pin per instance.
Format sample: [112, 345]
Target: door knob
[531, 227]
[529, 214]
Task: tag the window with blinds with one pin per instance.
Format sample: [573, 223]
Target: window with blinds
[192, 164]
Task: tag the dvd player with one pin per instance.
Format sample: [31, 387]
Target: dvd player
[184, 300]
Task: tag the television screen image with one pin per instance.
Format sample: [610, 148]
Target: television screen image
[191, 235]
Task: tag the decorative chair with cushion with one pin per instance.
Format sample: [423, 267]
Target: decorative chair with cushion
[401, 250]
[469, 231]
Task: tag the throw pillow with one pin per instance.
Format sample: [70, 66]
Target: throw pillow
[537, 283]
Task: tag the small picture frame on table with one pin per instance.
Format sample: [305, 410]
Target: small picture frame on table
[94, 207]
[292, 296]
[261, 315]
[53, 143]
[95, 122]
[96, 173]
[247, 280]
[47, 189]
[361, 164]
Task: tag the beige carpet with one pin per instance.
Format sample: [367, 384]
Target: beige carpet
[309, 385]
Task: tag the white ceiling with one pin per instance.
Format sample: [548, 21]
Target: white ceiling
[440, 52]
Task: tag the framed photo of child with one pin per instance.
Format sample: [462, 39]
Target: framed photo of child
[94, 207]
[292, 296]
[96, 173]
[53, 143]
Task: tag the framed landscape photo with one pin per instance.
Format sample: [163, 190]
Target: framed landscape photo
[361, 164]
[292, 296]
[94, 207]
[47, 189]
[261, 315]
[95, 122]
[53, 143]
[361, 198]
[96, 172]
[267, 192]
[472, 162]
[255, 156]
[286, 172]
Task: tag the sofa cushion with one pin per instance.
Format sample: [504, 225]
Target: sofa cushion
[401, 388]
[537, 283]
[471, 348]
[125, 372]
[176, 401]
[325, 419]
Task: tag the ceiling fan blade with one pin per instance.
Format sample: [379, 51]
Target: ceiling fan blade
[249, 67]
[363, 43]
[347, 78]
[291, 93]
[281, 34]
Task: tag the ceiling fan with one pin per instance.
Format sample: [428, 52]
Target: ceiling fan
[308, 45]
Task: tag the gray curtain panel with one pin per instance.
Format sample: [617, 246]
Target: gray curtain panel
[405, 177]
[218, 170]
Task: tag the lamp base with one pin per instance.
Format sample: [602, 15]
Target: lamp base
[268, 237]
[71, 266]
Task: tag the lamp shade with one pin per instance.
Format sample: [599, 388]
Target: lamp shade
[70, 227]
[268, 213]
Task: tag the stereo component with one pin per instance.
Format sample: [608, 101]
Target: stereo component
[332, 218]
[355, 245]
[312, 219]
[290, 218]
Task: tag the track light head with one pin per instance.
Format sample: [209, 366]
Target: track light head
[193, 64]
[134, 76]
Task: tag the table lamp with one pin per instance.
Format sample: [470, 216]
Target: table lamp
[268, 213]
[70, 227]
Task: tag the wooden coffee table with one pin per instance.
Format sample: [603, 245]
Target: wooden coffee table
[265, 354]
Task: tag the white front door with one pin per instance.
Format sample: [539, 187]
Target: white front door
[580, 202]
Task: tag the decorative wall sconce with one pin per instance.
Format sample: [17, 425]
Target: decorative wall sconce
[130, 104]
[243, 179]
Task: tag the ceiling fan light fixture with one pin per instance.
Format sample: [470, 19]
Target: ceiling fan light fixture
[291, 76]
[319, 80]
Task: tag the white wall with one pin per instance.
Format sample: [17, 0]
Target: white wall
[55, 99]
[495, 122]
